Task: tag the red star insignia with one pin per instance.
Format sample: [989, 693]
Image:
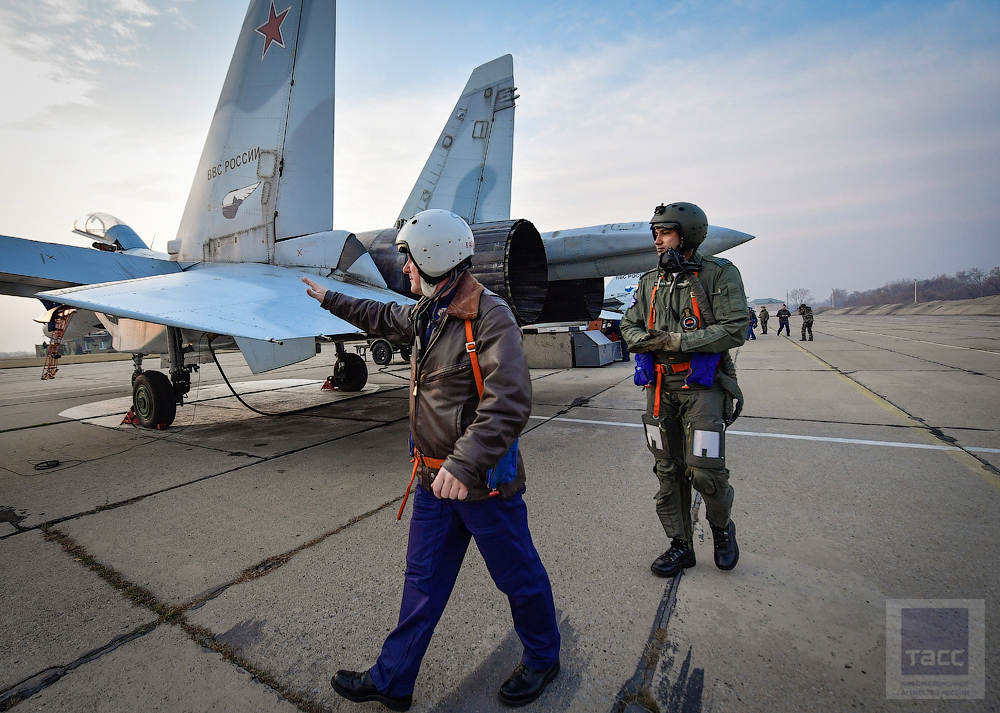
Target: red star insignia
[271, 30]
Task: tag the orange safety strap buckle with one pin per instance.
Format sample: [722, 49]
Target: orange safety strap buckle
[418, 459]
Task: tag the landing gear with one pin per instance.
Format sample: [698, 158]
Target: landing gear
[350, 372]
[405, 352]
[154, 395]
[153, 400]
[381, 352]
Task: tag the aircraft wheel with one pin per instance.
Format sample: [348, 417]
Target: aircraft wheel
[153, 399]
[381, 352]
[350, 373]
[405, 352]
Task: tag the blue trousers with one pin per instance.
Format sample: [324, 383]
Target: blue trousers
[783, 324]
[439, 536]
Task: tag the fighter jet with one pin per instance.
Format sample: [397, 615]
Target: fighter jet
[259, 216]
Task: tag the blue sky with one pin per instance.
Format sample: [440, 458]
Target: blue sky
[860, 142]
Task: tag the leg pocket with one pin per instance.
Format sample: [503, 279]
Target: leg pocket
[706, 445]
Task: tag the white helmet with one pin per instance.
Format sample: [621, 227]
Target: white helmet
[437, 241]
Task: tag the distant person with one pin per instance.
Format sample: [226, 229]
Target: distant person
[807, 321]
[783, 316]
[464, 430]
[753, 323]
[685, 317]
[764, 316]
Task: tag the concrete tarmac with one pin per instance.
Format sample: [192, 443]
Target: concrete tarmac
[235, 561]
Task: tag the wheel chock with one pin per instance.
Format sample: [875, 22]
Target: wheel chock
[329, 384]
[133, 420]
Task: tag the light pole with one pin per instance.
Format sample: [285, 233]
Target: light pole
[914, 290]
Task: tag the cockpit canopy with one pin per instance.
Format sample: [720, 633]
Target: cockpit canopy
[107, 229]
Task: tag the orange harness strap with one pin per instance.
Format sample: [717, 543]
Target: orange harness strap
[470, 347]
[418, 458]
[436, 463]
[661, 369]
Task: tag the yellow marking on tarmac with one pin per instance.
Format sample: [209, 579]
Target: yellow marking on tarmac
[961, 456]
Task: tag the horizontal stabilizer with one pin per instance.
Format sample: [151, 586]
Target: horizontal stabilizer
[248, 300]
[29, 266]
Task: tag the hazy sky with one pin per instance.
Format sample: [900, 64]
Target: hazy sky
[859, 141]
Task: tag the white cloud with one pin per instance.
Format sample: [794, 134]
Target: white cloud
[37, 86]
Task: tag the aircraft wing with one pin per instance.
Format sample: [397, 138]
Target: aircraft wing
[27, 266]
[248, 300]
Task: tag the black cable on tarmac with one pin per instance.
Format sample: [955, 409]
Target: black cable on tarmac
[238, 397]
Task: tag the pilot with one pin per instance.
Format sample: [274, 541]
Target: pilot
[466, 414]
[685, 316]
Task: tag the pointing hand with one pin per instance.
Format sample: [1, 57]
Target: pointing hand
[316, 291]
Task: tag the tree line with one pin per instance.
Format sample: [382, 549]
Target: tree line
[963, 285]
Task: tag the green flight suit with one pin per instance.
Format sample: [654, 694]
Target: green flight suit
[688, 412]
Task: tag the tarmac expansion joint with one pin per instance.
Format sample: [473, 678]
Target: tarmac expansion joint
[972, 462]
[173, 616]
[636, 695]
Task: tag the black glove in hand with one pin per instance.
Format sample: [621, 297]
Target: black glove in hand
[658, 340]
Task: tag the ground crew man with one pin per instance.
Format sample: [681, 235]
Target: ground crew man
[807, 321]
[764, 316]
[753, 323]
[783, 316]
[684, 317]
[466, 413]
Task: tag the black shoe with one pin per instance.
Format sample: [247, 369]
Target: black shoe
[803, 339]
[810, 339]
[525, 684]
[359, 687]
[727, 552]
[670, 563]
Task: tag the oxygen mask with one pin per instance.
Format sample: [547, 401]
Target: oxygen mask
[673, 261]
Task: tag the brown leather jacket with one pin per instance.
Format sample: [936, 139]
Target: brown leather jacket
[447, 418]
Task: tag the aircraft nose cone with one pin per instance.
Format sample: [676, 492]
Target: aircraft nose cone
[726, 238]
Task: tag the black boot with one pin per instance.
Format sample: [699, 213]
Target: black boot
[670, 563]
[526, 684]
[727, 552]
[359, 687]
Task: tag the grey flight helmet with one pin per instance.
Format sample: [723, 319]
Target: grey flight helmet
[687, 219]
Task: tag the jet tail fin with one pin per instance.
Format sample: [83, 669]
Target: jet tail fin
[266, 172]
[469, 169]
